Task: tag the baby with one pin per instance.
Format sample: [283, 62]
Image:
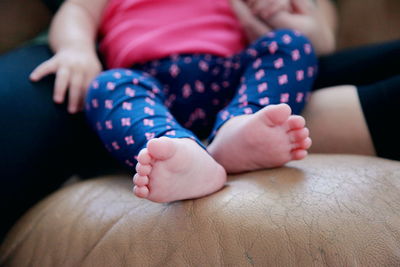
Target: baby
[180, 71]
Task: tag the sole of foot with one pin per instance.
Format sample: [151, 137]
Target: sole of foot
[172, 169]
[268, 138]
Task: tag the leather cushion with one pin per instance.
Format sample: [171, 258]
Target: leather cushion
[325, 210]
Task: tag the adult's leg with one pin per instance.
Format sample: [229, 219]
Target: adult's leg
[357, 120]
[380, 105]
[359, 66]
[335, 116]
[336, 122]
[41, 144]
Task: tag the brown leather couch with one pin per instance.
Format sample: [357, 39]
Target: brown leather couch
[327, 210]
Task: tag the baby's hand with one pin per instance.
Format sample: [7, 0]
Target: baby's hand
[74, 68]
[265, 9]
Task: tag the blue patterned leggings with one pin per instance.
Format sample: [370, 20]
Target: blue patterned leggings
[192, 96]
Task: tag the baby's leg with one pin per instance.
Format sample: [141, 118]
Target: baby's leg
[126, 109]
[252, 132]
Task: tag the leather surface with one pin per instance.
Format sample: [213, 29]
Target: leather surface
[364, 22]
[326, 210]
[21, 21]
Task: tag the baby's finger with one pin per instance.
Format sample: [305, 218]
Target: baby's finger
[76, 92]
[44, 69]
[61, 84]
[88, 82]
[81, 101]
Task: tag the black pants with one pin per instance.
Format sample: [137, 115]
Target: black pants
[41, 145]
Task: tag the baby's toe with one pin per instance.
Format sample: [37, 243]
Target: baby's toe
[141, 191]
[144, 157]
[295, 122]
[299, 154]
[303, 144]
[140, 180]
[298, 135]
[143, 169]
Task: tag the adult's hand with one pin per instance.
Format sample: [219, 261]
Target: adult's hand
[267, 8]
[253, 27]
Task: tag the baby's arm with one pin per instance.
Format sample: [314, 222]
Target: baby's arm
[73, 40]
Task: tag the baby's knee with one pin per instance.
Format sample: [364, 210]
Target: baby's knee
[111, 83]
[286, 37]
[291, 37]
[110, 79]
[116, 79]
[285, 41]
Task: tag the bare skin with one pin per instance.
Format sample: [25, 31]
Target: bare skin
[338, 126]
[269, 138]
[172, 169]
[176, 169]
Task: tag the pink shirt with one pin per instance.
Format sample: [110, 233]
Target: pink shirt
[136, 31]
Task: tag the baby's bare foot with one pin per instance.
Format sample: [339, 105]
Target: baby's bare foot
[172, 169]
[269, 138]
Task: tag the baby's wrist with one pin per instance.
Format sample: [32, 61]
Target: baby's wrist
[76, 47]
